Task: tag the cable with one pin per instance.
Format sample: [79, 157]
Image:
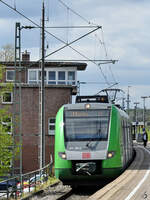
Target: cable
[106, 55]
[74, 11]
[68, 25]
[107, 88]
[72, 43]
[47, 10]
[15, 4]
[103, 43]
[31, 21]
[37, 24]
[56, 38]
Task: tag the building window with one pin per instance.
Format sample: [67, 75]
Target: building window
[7, 124]
[7, 98]
[10, 75]
[33, 76]
[52, 77]
[51, 126]
[71, 78]
[61, 77]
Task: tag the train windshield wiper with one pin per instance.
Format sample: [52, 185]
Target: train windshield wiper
[88, 144]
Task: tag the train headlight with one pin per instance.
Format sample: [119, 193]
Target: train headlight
[62, 155]
[110, 154]
[87, 106]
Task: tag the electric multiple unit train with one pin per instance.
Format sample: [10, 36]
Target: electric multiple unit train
[93, 141]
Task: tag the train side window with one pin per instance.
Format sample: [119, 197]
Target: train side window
[51, 126]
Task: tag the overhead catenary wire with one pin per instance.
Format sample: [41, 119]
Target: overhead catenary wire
[38, 26]
[47, 10]
[56, 38]
[107, 88]
[79, 15]
[68, 25]
[14, 4]
[103, 43]
[73, 11]
[106, 54]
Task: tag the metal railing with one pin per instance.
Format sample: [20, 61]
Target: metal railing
[30, 182]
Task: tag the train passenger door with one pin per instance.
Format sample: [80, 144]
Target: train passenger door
[124, 142]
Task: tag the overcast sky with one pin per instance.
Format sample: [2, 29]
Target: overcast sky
[125, 31]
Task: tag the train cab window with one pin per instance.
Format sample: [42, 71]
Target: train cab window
[83, 125]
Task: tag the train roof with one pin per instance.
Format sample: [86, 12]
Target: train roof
[95, 104]
[92, 99]
[88, 105]
[121, 111]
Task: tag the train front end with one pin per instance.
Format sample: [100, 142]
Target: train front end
[82, 142]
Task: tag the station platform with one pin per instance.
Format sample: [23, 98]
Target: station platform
[134, 183]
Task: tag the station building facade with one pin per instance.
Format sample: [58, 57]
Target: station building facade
[60, 86]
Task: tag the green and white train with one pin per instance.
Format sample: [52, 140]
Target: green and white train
[93, 141]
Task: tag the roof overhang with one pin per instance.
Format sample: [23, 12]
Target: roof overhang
[35, 64]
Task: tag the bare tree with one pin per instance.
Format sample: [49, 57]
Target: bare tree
[7, 53]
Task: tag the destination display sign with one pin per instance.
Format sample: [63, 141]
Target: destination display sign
[87, 113]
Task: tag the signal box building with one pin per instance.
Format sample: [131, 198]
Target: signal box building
[60, 86]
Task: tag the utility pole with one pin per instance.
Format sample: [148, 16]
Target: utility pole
[42, 138]
[144, 108]
[136, 116]
[123, 103]
[128, 100]
[17, 105]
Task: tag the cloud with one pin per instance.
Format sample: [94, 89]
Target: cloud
[126, 33]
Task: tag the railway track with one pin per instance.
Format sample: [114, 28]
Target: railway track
[61, 192]
[66, 196]
[81, 193]
[54, 192]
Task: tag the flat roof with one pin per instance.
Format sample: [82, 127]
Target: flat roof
[34, 64]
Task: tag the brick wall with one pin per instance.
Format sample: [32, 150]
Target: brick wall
[54, 99]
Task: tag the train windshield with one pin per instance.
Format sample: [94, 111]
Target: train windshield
[83, 125]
